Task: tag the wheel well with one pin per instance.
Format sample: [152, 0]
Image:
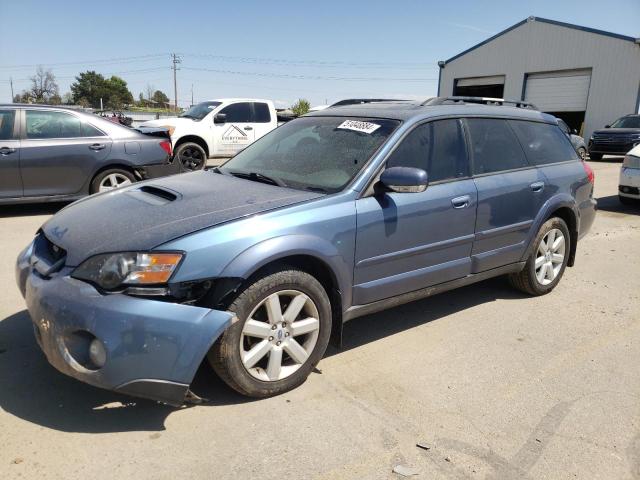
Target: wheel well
[569, 217]
[193, 139]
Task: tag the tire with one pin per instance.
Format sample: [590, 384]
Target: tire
[528, 280]
[243, 356]
[111, 179]
[191, 156]
[627, 200]
[595, 156]
[582, 153]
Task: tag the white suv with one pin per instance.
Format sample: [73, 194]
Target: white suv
[629, 185]
[217, 129]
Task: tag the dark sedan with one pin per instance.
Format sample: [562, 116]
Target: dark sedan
[58, 154]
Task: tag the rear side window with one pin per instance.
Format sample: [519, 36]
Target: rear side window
[238, 112]
[437, 147]
[7, 119]
[89, 130]
[495, 147]
[44, 124]
[543, 143]
[261, 113]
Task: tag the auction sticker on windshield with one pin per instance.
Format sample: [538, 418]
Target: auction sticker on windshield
[358, 126]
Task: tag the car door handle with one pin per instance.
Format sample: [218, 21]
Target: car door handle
[537, 186]
[461, 202]
[97, 146]
[248, 128]
[7, 151]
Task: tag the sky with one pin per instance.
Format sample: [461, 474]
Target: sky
[323, 51]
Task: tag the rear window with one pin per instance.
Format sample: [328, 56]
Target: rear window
[543, 143]
[494, 145]
[6, 124]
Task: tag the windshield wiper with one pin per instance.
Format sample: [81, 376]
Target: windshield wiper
[258, 177]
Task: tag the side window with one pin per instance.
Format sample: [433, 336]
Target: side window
[494, 146]
[543, 143]
[7, 119]
[261, 113]
[238, 113]
[437, 147]
[89, 130]
[45, 124]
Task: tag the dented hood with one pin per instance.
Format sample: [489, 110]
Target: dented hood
[148, 214]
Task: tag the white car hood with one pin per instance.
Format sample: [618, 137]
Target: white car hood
[169, 122]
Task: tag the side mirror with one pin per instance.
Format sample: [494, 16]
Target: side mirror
[404, 179]
[607, 126]
[220, 118]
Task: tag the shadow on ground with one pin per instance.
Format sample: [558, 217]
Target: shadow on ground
[36, 392]
[612, 204]
[29, 210]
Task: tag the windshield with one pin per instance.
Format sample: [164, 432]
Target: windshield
[201, 110]
[313, 153]
[626, 122]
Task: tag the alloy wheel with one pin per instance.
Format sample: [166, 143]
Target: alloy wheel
[550, 256]
[279, 335]
[113, 181]
[191, 159]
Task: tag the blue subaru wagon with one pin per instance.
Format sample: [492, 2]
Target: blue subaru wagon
[255, 266]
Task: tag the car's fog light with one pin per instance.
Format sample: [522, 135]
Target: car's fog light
[97, 353]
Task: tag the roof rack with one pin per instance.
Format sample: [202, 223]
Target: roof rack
[360, 101]
[479, 100]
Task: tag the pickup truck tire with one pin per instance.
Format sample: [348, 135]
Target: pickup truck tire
[282, 332]
[595, 156]
[191, 156]
[547, 261]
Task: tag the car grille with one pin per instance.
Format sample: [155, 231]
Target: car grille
[47, 257]
[615, 139]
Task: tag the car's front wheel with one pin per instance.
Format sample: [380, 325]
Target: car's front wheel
[582, 153]
[282, 332]
[191, 156]
[548, 260]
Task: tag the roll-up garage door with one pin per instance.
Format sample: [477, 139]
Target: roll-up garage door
[559, 91]
[475, 81]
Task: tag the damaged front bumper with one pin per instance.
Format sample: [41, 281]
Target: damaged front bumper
[152, 348]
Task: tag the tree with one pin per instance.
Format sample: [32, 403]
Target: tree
[160, 97]
[301, 107]
[149, 89]
[90, 87]
[43, 86]
[118, 93]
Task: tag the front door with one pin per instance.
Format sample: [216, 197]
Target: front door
[237, 132]
[409, 241]
[510, 192]
[10, 181]
[59, 153]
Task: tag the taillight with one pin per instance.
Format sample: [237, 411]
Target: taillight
[166, 146]
[589, 171]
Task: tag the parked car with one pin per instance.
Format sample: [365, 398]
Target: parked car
[629, 185]
[334, 215]
[218, 129]
[115, 117]
[57, 154]
[615, 139]
[576, 140]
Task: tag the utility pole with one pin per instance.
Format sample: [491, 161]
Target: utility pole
[175, 59]
[11, 82]
[192, 94]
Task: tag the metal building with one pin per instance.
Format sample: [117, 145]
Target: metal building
[585, 76]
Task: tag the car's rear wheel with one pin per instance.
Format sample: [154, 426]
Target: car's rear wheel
[595, 156]
[191, 156]
[582, 153]
[282, 332]
[111, 179]
[547, 262]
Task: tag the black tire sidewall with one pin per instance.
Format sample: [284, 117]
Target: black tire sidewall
[228, 346]
[186, 145]
[95, 183]
[530, 267]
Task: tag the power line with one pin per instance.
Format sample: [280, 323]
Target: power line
[86, 62]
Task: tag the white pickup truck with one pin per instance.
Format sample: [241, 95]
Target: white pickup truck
[217, 129]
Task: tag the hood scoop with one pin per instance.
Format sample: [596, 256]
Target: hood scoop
[154, 195]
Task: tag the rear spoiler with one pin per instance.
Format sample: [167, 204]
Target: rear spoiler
[161, 132]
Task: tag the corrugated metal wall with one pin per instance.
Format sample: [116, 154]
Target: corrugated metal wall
[537, 47]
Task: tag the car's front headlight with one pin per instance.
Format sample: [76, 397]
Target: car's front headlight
[114, 270]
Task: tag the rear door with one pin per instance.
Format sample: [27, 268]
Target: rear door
[262, 121]
[10, 181]
[59, 152]
[510, 193]
[238, 130]
[408, 241]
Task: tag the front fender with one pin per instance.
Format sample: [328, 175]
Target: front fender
[257, 256]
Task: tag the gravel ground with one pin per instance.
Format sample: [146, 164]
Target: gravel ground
[496, 384]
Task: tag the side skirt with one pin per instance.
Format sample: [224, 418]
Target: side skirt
[360, 310]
